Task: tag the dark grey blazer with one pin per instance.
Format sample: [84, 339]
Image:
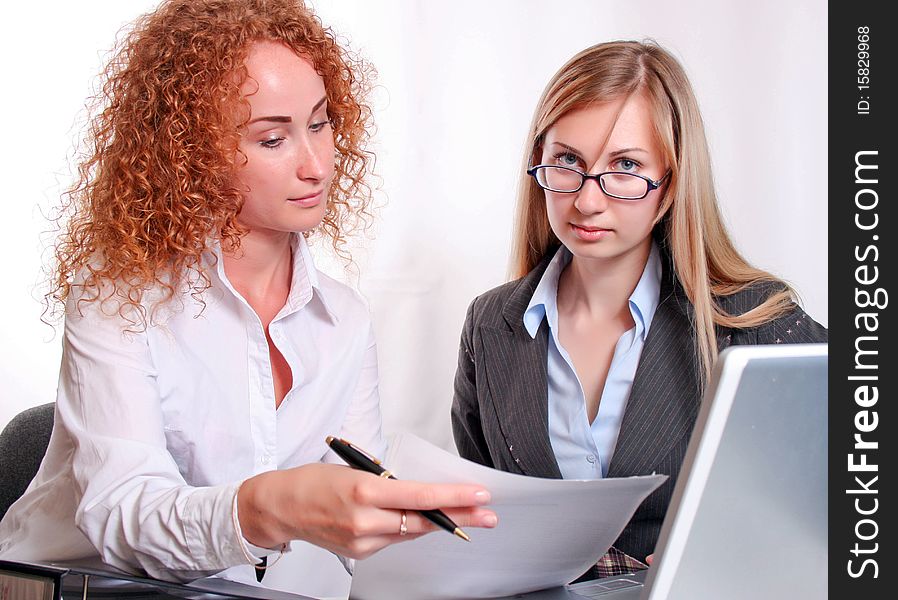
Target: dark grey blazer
[500, 409]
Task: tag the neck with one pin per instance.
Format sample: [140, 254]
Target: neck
[261, 267]
[602, 287]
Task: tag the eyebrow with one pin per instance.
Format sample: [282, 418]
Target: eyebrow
[272, 119]
[284, 118]
[615, 153]
[567, 147]
[628, 151]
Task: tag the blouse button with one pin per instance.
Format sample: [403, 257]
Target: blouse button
[591, 459]
[266, 458]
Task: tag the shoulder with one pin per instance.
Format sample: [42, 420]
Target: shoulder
[346, 304]
[488, 306]
[93, 296]
[750, 296]
[109, 302]
[792, 326]
[509, 299]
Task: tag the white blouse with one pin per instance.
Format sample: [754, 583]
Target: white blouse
[156, 429]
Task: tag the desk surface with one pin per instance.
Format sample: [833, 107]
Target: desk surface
[71, 580]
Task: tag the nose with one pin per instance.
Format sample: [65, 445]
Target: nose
[315, 160]
[591, 199]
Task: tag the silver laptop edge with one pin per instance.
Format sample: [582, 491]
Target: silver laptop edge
[700, 456]
[704, 449]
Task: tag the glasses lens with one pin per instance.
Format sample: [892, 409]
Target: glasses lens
[558, 179]
[624, 185]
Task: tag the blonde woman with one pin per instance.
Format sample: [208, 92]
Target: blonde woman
[205, 359]
[591, 363]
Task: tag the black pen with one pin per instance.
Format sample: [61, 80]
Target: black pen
[357, 458]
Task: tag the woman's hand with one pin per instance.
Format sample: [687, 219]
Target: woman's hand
[349, 512]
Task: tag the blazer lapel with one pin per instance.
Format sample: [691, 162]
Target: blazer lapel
[665, 396]
[517, 377]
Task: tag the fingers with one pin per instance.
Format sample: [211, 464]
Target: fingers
[356, 514]
[462, 503]
[463, 517]
[417, 526]
[414, 495]
[388, 522]
[365, 547]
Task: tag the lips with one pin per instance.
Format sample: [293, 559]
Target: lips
[590, 233]
[307, 201]
[589, 227]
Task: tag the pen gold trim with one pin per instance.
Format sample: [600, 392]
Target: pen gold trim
[367, 454]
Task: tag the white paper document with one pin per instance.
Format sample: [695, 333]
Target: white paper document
[550, 531]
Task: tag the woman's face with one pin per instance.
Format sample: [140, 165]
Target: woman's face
[288, 143]
[597, 139]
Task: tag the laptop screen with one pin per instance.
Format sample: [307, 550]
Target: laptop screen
[748, 517]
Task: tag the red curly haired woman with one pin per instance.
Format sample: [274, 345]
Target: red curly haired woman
[205, 359]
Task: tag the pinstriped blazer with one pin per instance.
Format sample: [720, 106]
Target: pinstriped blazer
[500, 407]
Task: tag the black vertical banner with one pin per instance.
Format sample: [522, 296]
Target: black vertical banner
[862, 170]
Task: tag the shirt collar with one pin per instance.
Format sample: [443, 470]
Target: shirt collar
[305, 283]
[643, 300]
[543, 301]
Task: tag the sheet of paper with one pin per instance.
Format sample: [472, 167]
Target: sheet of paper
[550, 531]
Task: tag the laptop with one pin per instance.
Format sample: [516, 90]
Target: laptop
[748, 517]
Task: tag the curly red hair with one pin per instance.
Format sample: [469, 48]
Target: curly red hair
[156, 183]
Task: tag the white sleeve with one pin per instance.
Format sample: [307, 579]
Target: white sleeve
[133, 504]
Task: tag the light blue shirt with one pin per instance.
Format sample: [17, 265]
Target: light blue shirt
[584, 450]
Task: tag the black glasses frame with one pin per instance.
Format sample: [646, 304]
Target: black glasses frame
[652, 185]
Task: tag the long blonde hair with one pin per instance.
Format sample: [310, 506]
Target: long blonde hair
[688, 223]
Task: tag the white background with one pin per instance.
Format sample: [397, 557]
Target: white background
[458, 84]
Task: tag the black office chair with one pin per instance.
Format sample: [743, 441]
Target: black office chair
[23, 444]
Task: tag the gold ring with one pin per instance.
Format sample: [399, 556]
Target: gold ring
[403, 523]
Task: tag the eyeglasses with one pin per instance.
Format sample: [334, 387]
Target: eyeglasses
[623, 186]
